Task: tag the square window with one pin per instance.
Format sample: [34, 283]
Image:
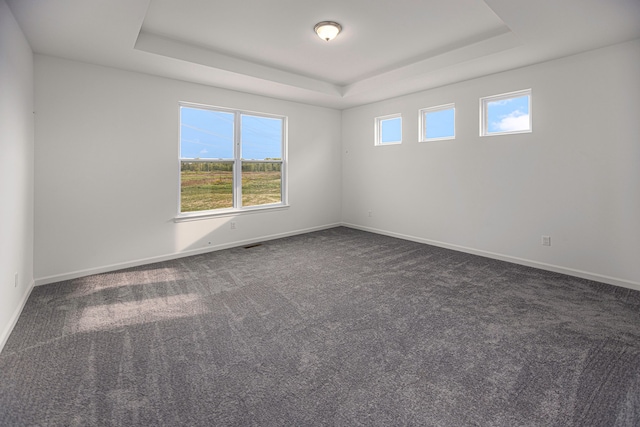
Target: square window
[438, 123]
[505, 114]
[389, 129]
[230, 160]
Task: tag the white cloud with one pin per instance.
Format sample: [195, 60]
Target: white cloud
[514, 121]
[204, 151]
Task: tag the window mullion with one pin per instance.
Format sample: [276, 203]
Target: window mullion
[237, 164]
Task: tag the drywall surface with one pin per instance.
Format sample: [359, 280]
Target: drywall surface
[575, 178]
[16, 170]
[106, 178]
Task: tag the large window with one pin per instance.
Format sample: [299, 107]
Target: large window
[230, 160]
[506, 113]
[437, 123]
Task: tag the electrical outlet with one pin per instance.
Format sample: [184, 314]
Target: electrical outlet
[233, 225]
[370, 214]
[546, 240]
[15, 280]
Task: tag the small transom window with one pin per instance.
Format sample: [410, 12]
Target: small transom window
[389, 129]
[506, 113]
[437, 123]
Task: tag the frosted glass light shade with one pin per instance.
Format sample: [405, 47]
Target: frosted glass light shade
[327, 30]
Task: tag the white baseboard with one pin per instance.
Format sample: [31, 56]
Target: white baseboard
[14, 318]
[119, 266]
[529, 263]
[543, 266]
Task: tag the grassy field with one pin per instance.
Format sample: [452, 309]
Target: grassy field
[213, 189]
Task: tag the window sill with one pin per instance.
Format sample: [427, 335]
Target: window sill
[384, 144]
[197, 216]
[444, 138]
[513, 132]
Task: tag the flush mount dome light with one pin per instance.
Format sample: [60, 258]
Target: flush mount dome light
[327, 30]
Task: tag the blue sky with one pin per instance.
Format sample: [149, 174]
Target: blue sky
[261, 138]
[508, 115]
[440, 124]
[207, 134]
[391, 130]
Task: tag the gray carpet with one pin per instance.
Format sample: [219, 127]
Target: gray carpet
[338, 327]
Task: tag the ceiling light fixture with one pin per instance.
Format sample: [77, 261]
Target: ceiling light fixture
[327, 30]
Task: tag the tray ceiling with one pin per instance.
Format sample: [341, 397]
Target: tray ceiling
[386, 49]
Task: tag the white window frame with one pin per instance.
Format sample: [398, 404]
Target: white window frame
[237, 166]
[422, 130]
[484, 112]
[378, 129]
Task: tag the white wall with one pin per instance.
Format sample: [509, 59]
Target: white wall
[106, 170]
[16, 170]
[106, 178]
[575, 178]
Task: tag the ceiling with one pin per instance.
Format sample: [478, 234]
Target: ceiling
[386, 48]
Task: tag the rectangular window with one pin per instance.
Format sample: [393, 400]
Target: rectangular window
[438, 123]
[230, 160]
[506, 113]
[388, 129]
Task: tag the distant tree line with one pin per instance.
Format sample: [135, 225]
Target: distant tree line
[187, 166]
[261, 167]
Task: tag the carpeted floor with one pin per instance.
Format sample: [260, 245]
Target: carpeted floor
[338, 327]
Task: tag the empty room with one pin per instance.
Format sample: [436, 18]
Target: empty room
[294, 213]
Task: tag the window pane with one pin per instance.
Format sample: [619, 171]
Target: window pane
[391, 130]
[440, 124]
[205, 134]
[261, 138]
[205, 186]
[261, 183]
[508, 115]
